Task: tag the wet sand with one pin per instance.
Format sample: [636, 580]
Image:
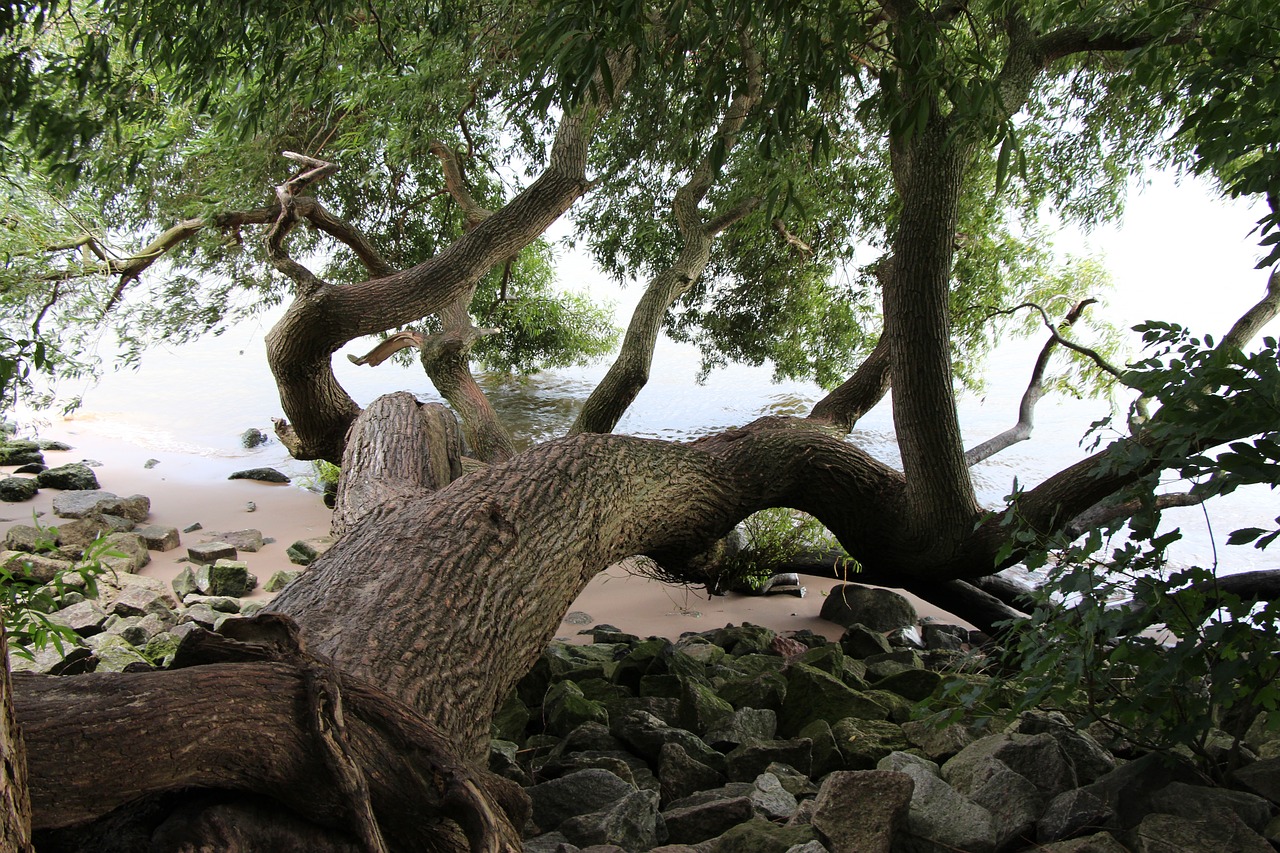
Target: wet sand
[186, 489]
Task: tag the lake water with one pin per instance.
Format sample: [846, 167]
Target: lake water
[1186, 259]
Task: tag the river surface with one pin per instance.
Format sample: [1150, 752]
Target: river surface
[1186, 259]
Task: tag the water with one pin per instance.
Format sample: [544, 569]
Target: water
[1187, 259]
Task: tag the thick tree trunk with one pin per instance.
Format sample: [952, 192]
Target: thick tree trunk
[355, 768]
[15, 804]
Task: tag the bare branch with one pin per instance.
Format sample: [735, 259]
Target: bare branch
[1106, 513]
[473, 212]
[800, 246]
[859, 394]
[313, 170]
[1021, 431]
[388, 348]
[731, 216]
[1248, 326]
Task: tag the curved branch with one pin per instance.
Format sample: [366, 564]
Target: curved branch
[1251, 322]
[859, 394]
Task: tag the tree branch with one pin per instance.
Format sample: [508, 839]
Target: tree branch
[859, 394]
[1248, 326]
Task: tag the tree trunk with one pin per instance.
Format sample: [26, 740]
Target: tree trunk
[15, 804]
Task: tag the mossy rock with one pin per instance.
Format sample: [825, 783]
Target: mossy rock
[643, 659]
[767, 690]
[511, 719]
[743, 639]
[914, 685]
[760, 836]
[864, 742]
[700, 708]
[565, 708]
[816, 695]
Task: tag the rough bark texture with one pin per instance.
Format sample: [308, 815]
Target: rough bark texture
[859, 394]
[349, 763]
[15, 804]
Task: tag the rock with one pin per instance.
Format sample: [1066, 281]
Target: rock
[17, 489]
[201, 614]
[767, 690]
[1165, 833]
[1260, 777]
[220, 603]
[876, 608]
[20, 453]
[1087, 756]
[748, 761]
[700, 708]
[192, 528]
[136, 508]
[1072, 813]
[940, 818]
[224, 577]
[131, 548]
[161, 648]
[159, 537]
[30, 468]
[745, 725]
[577, 617]
[1037, 757]
[73, 660]
[564, 708]
[80, 504]
[695, 823]
[1179, 798]
[304, 552]
[681, 775]
[1014, 803]
[262, 475]
[210, 552]
[862, 743]
[632, 823]
[114, 653]
[280, 580]
[184, 583]
[253, 437]
[645, 734]
[150, 463]
[25, 537]
[575, 794]
[39, 567]
[760, 836]
[140, 601]
[76, 476]
[242, 540]
[1102, 842]
[940, 636]
[815, 695]
[915, 685]
[771, 799]
[862, 811]
[938, 743]
[1127, 790]
[82, 532]
[85, 618]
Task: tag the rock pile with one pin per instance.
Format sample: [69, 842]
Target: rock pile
[739, 740]
[124, 620]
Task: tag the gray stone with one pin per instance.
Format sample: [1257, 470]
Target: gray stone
[700, 708]
[748, 761]
[73, 477]
[771, 799]
[184, 583]
[859, 641]
[1073, 813]
[862, 743]
[1179, 798]
[85, 618]
[136, 508]
[224, 577]
[253, 437]
[28, 538]
[1102, 842]
[878, 609]
[114, 653]
[30, 468]
[159, 537]
[862, 811]
[760, 836]
[681, 775]
[632, 823]
[1087, 756]
[220, 603]
[745, 725]
[262, 475]
[550, 842]
[140, 601]
[131, 547]
[810, 847]
[70, 660]
[694, 823]
[937, 742]
[1037, 757]
[150, 463]
[1260, 777]
[940, 818]
[1127, 790]
[812, 694]
[1222, 831]
[645, 734]
[940, 636]
[39, 567]
[202, 615]
[82, 532]
[577, 617]
[575, 794]
[1014, 803]
[248, 539]
[209, 553]
[280, 580]
[304, 552]
[79, 504]
[17, 489]
[564, 708]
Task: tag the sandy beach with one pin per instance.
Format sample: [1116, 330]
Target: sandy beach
[187, 489]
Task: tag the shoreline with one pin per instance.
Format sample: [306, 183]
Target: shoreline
[186, 489]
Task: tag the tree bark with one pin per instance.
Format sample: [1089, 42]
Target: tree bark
[15, 802]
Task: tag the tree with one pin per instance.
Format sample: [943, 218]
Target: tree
[776, 135]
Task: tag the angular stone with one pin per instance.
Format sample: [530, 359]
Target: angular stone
[862, 811]
[940, 636]
[771, 799]
[202, 615]
[136, 508]
[748, 761]
[184, 583]
[760, 836]
[159, 537]
[1102, 842]
[1127, 790]
[578, 793]
[632, 823]
[304, 552]
[17, 489]
[681, 775]
[940, 815]
[565, 708]
[767, 690]
[876, 608]
[745, 725]
[915, 685]
[39, 567]
[1260, 777]
[1087, 756]
[1014, 803]
[938, 743]
[1037, 757]
[114, 653]
[85, 618]
[224, 577]
[253, 437]
[31, 539]
[210, 552]
[1165, 833]
[645, 734]
[815, 695]
[82, 532]
[79, 504]
[243, 540]
[280, 580]
[1179, 798]
[130, 547]
[1073, 813]
[140, 601]
[862, 743]
[73, 477]
[700, 708]
[692, 824]
[220, 603]
[262, 475]
[71, 660]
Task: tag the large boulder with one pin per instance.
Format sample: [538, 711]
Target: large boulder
[876, 608]
[816, 695]
[17, 489]
[1197, 833]
[575, 794]
[262, 475]
[80, 503]
[1037, 757]
[862, 811]
[940, 818]
[76, 476]
[20, 453]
